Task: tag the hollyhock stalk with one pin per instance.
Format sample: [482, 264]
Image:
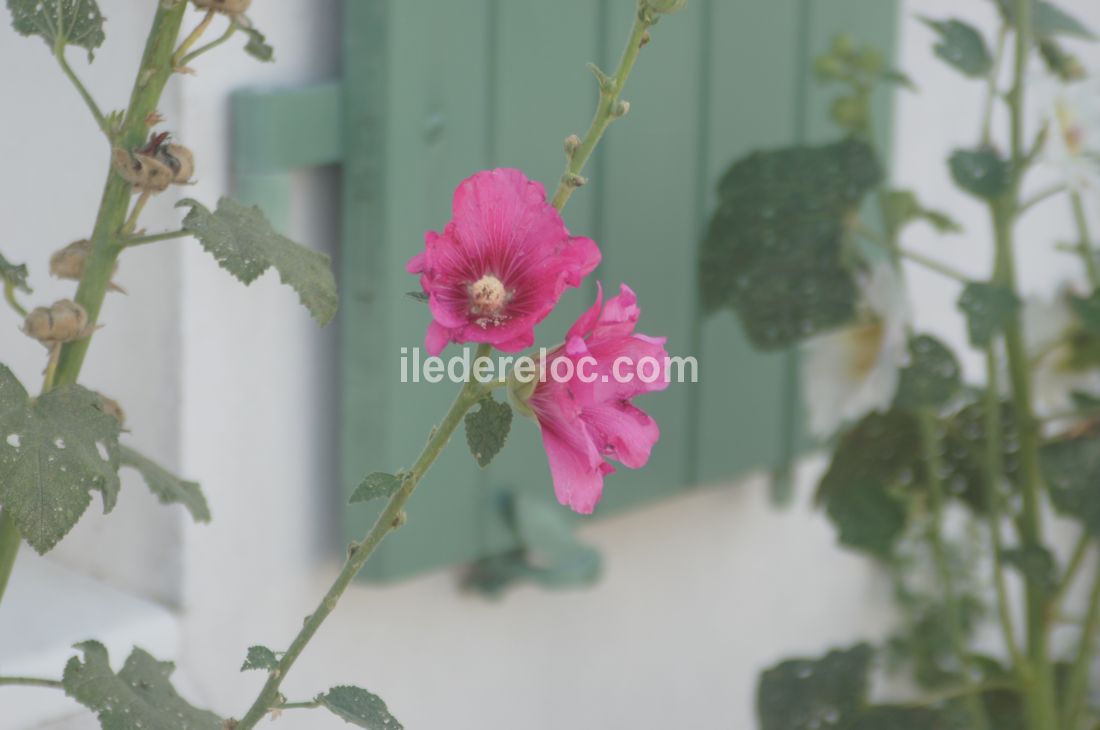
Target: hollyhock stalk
[391, 517]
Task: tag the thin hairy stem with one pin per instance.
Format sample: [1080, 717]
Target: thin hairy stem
[229, 32]
[192, 39]
[392, 518]
[897, 250]
[1084, 239]
[132, 241]
[12, 300]
[100, 119]
[30, 682]
[607, 111]
[991, 92]
[1076, 695]
[1041, 197]
[934, 467]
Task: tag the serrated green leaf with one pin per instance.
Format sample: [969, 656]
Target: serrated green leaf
[378, 485]
[53, 452]
[801, 694]
[1072, 469]
[139, 697]
[258, 47]
[359, 707]
[14, 275]
[988, 309]
[888, 717]
[774, 248]
[868, 517]
[60, 22]
[245, 245]
[932, 376]
[1035, 563]
[1047, 20]
[981, 172]
[167, 487]
[260, 658]
[962, 46]
[487, 429]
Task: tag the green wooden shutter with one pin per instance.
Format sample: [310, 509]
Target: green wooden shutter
[434, 90]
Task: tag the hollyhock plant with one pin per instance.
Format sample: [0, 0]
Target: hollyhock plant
[500, 265]
[589, 418]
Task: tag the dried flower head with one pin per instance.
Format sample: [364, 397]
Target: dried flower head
[63, 321]
[180, 160]
[145, 173]
[69, 262]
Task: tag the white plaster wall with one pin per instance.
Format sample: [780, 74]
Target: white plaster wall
[699, 593]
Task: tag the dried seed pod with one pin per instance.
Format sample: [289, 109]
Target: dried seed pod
[229, 7]
[145, 173]
[64, 321]
[111, 407]
[69, 262]
[180, 160]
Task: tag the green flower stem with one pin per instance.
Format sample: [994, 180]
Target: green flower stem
[994, 473]
[607, 111]
[13, 302]
[152, 76]
[1076, 560]
[898, 252]
[229, 32]
[392, 518]
[992, 93]
[1084, 241]
[100, 119]
[934, 466]
[131, 241]
[192, 38]
[1041, 197]
[30, 682]
[1041, 706]
[1077, 688]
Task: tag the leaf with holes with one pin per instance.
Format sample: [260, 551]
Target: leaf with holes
[487, 429]
[774, 251]
[808, 694]
[359, 707]
[261, 658]
[378, 485]
[932, 376]
[962, 46]
[988, 309]
[1072, 469]
[167, 487]
[60, 22]
[981, 172]
[257, 46]
[245, 245]
[139, 697]
[14, 275]
[53, 452]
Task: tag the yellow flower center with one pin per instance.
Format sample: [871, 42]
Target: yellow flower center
[865, 344]
[488, 298]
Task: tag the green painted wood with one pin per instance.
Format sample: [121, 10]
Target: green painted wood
[434, 91]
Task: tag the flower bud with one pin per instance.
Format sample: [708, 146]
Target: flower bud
[844, 45]
[69, 263]
[665, 7]
[229, 7]
[828, 68]
[64, 321]
[145, 173]
[572, 144]
[849, 112]
[622, 109]
[178, 159]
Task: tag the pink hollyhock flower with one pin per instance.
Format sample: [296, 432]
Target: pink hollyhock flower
[584, 423]
[500, 265]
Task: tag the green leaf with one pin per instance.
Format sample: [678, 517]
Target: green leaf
[1072, 469]
[774, 251]
[417, 296]
[805, 694]
[139, 697]
[359, 707]
[981, 172]
[60, 22]
[487, 429]
[260, 658]
[1047, 19]
[898, 718]
[245, 245]
[53, 451]
[900, 78]
[167, 487]
[901, 207]
[962, 46]
[378, 485]
[868, 517]
[14, 275]
[988, 309]
[257, 46]
[1088, 309]
[1035, 563]
[932, 376]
